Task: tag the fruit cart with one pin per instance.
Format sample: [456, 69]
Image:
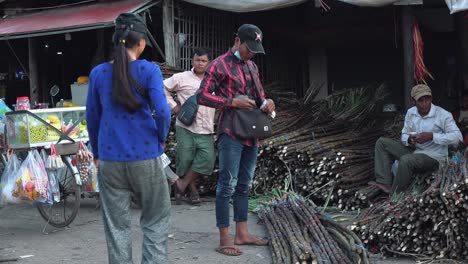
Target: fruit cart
[64, 131]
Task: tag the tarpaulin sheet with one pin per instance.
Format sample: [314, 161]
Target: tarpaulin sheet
[245, 5]
[370, 3]
[457, 5]
[453, 5]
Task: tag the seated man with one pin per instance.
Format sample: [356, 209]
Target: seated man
[429, 129]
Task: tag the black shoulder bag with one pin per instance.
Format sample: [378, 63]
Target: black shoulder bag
[188, 111]
[251, 123]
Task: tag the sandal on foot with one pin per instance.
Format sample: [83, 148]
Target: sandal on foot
[195, 198]
[228, 250]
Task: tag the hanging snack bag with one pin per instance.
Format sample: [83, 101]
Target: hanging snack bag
[32, 181]
[8, 181]
[84, 159]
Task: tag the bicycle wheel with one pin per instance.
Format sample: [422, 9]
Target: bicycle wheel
[61, 214]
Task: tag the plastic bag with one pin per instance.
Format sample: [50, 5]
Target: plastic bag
[3, 109]
[92, 185]
[54, 161]
[40, 163]
[2, 133]
[8, 181]
[94, 173]
[54, 188]
[32, 180]
[73, 132]
[84, 158]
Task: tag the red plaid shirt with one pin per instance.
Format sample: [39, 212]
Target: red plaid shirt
[228, 77]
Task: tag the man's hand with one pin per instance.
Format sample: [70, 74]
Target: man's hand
[176, 109]
[243, 103]
[269, 107]
[423, 137]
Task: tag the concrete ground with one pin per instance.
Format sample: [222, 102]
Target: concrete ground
[193, 238]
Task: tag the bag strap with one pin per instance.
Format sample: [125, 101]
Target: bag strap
[138, 87]
[141, 90]
[256, 83]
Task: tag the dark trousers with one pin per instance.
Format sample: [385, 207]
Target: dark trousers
[388, 150]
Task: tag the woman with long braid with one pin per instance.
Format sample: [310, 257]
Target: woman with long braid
[127, 142]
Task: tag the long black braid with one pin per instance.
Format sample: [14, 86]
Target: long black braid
[122, 92]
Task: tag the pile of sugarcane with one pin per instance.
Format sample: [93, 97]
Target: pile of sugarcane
[167, 70]
[324, 149]
[430, 224]
[301, 234]
[331, 177]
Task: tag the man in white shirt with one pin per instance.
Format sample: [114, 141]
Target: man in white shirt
[426, 135]
[195, 154]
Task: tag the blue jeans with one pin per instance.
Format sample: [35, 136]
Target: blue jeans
[236, 170]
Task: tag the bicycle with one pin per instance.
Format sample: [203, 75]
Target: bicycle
[58, 214]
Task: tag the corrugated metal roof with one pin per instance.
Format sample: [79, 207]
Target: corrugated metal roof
[68, 19]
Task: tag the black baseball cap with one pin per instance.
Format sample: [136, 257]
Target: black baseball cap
[252, 36]
[134, 23]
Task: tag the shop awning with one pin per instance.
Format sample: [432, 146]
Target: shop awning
[69, 19]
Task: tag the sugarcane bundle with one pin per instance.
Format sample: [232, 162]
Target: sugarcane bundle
[431, 224]
[301, 234]
[324, 149]
[335, 177]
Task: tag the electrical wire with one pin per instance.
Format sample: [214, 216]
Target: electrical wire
[17, 58]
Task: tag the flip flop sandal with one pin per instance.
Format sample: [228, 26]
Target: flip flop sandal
[195, 198]
[223, 250]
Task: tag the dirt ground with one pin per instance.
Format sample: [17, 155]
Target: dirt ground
[193, 238]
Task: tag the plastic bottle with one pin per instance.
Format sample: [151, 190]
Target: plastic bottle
[3, 109]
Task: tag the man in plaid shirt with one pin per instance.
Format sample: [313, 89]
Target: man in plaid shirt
[229, 83]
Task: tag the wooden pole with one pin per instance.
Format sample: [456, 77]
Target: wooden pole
[99, 55]
[33, 71]
[462, 29]
[408, 53]
[168, 28]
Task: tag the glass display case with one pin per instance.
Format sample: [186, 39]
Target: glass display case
[43, 127]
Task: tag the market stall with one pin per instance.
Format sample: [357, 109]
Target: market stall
[47, 162]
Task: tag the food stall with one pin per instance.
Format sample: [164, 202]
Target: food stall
[43, 127]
